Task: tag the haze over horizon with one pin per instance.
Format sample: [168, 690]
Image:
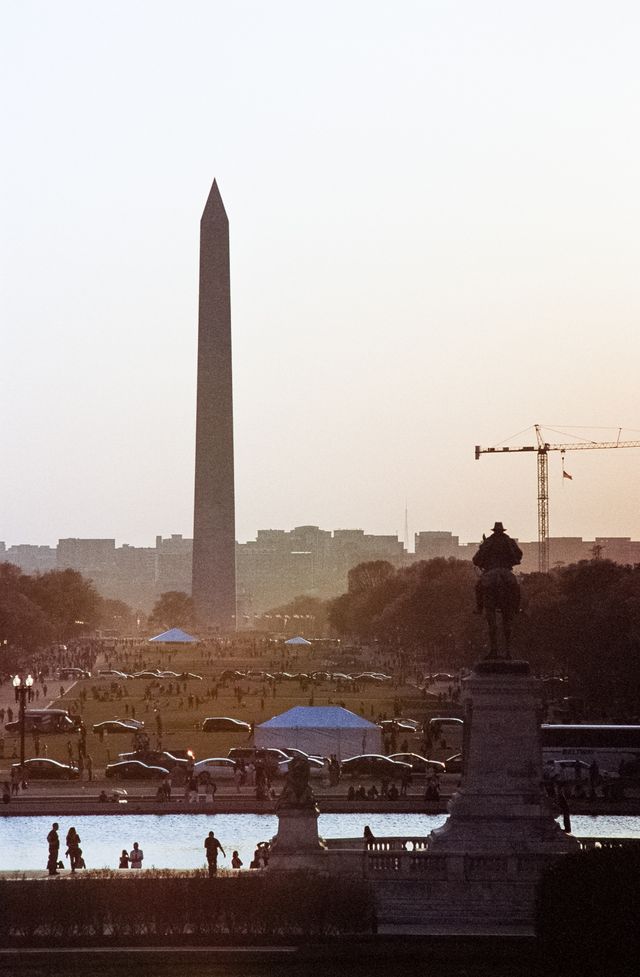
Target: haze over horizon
[433, 213]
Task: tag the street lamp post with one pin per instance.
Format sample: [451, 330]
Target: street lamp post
[23, 689]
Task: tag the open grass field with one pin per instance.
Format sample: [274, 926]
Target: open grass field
[183, 705]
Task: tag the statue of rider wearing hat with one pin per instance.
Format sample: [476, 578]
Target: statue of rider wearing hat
[497, 553]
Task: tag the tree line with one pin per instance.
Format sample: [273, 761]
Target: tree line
[55, 606]
[582, 620]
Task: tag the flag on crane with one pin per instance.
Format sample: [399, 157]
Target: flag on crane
[567, 475]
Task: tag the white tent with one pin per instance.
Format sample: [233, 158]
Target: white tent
[320, 730]
[297, 641]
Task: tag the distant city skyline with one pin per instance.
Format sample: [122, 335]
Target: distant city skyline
[278, 565]
[290, 527]
[434, 245]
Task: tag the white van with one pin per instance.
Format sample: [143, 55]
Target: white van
[43, 721]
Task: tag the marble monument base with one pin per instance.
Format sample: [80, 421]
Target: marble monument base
[297, 845]
[501, 834]
[501, 806]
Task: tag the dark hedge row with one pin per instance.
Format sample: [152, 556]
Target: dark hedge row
[587, 913]
[130, 910]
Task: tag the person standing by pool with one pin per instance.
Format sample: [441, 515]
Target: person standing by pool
[211, 846]
[136, 855]
[53, 840]
[74, 852]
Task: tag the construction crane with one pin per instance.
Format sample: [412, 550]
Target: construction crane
[542, 449]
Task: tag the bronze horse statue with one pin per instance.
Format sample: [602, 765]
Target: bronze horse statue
[500, 592]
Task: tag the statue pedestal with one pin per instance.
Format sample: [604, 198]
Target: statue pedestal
[479, 872]
[297, 845]
[501, 807]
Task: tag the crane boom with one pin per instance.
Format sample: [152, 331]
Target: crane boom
[542, 449]
[577, 446]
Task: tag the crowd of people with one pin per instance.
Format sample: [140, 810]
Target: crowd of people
[134, 858]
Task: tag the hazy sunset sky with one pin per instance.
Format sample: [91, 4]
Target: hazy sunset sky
[435, 243]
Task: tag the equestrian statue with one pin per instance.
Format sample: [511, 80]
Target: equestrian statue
[497, 589]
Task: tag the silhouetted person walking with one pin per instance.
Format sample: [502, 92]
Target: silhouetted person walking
[212, 846]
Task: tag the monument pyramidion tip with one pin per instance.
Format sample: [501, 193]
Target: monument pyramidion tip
[214, 207]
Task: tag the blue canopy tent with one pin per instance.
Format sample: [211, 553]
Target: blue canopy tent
[175, 636]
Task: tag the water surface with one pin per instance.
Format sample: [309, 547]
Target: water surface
[176, 840]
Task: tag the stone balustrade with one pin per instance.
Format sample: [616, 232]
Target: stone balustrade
[389, 843]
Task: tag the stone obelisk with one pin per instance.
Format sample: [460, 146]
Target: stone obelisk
[214, 559]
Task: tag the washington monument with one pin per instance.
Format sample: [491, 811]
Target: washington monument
[214, 558]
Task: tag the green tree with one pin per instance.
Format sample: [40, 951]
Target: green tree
[71, 603]
[424, 606]
[305, 613]
[22, 623]
[174, 609]
[118, 615]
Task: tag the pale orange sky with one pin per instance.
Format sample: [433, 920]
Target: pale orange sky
[434, 214]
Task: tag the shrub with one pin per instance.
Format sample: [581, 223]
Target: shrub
[152, 907]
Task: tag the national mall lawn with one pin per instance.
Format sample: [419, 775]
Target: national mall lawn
[183, 705]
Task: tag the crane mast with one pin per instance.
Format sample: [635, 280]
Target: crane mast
[542, 449]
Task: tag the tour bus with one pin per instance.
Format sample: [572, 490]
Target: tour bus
[43, 721]
[609, 746]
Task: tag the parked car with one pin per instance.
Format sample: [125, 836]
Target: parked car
[400, 725]
[453, 764]
[372, 677]
[316, 767]
[291, 751]
[419, 764]
[374, 765]
[160, 758]
[135, 770]
[224, 724]
[214, 768]
[230, 673]
[118, 726]
[44, 768]
[252, 753]
[181, 754]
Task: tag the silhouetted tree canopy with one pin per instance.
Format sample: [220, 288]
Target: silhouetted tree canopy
[424, 606]
[22, 623]
[582, 619]
[116, 614]
[174, 609]
[303, 613]
[35, 610]
[70, 602]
